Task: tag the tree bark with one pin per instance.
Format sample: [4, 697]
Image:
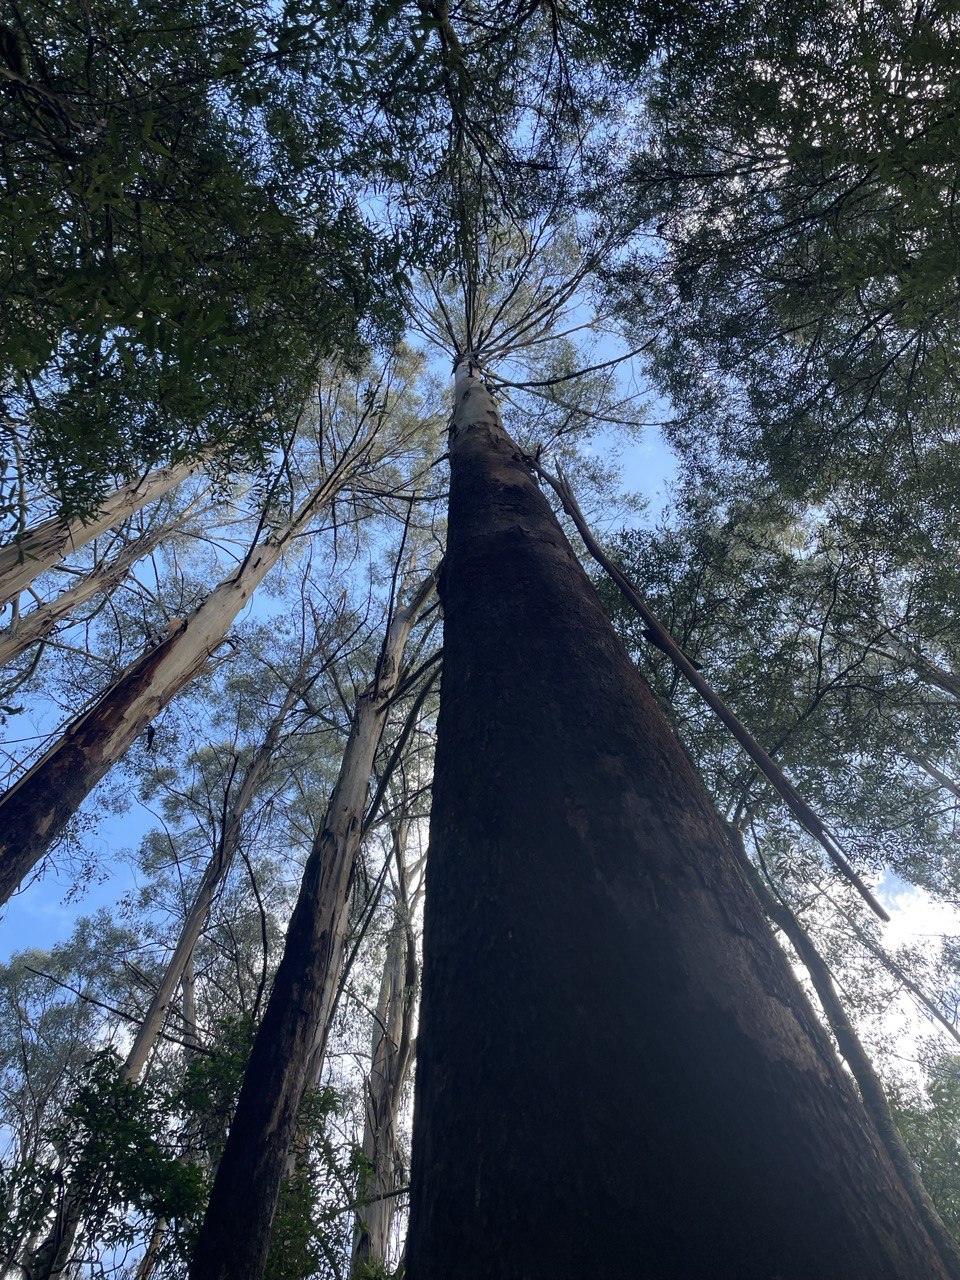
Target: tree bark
[35, 810]
[46, 544]
[152, 1252]
[618, 1072]
[296, 1021]
[391, 1053]
[41, 622]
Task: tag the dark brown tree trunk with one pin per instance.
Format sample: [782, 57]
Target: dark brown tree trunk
[618, 1073]
[234, 1240]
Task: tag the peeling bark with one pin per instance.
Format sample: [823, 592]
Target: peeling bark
[35, 810]
[293, 1032]
[618, 1072]
[45, 545]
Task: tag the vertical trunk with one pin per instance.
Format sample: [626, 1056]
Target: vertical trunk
[188, 988]
[390, 1057]
[858, 1060]
[45, 545]
[152, 1252]
[36, 809]
[39, 623]
[232, 1247]
[617, 1070]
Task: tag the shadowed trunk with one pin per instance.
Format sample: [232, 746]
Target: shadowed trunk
[45, 545]
[235, 1237]
[618, 1072]
[36, 809]
[391, 1053]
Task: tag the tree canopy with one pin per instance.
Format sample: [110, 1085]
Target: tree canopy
[258, 583]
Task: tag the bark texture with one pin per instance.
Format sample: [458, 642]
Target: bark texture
[234, 1245]
[35, 810]
[46, 544]
[858, 1060]
[618, 1073]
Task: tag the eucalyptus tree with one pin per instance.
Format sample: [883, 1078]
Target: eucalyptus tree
[182, 237]
[568, 906]
[360, 443]
[230, 780]
[57, 1007]
[792, 620]
[297, 1017]
[391, 1056]
[38, 548]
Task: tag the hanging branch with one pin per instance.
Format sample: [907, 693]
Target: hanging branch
[661, 637]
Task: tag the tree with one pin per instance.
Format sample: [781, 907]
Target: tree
[391, 1056]
[182, 245]
[297, 1019]
[600, 985]
[597, 974]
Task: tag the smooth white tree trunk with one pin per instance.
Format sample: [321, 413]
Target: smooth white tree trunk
[41, 622]
[391, 1053]
[46, 544]
[35, 810]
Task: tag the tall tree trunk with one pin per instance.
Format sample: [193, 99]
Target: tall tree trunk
[39, 623]
[36, 809]
[45, 545]
[151, 1254]
[391, 1053]
[234, 1246]
[858, 1060]
[617, 1070]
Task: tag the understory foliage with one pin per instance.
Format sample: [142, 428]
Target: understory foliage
[256, 238]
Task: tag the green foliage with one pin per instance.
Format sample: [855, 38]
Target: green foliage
[800, 168]
[116, 1152]
[931, 1129]
[307, 1227]
[376, 1271]
[179, 243]
[212, 1081]
[794, 626]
